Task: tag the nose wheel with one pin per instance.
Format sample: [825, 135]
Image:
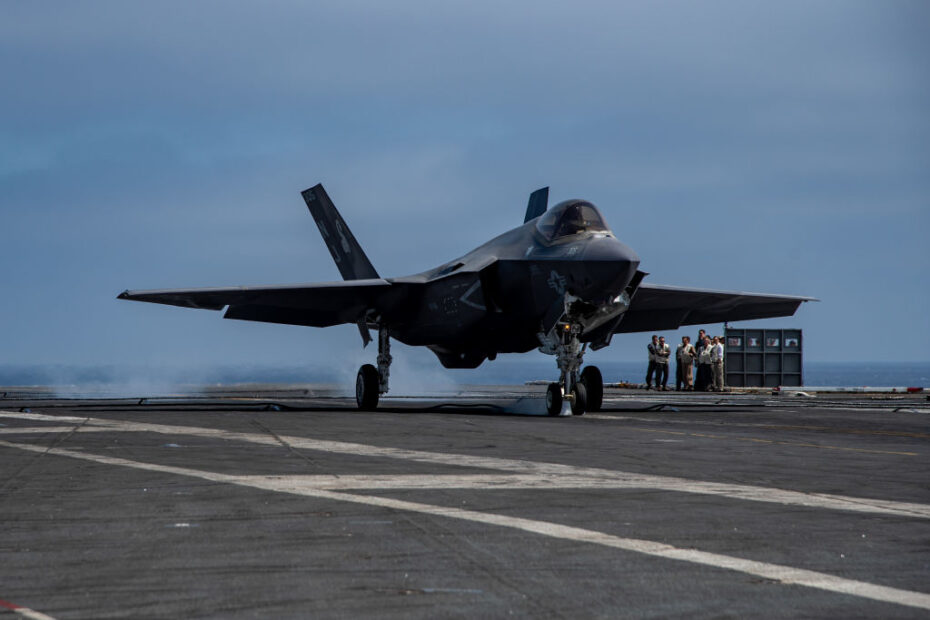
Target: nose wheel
[554, 399]
[578, 399]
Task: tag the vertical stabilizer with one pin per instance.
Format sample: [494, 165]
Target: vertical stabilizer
[348, 254]
[539, 202]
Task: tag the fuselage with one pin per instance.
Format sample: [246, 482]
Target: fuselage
[501, 295]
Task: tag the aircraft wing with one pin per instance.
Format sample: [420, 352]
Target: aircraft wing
[314, 305]
[657, 307]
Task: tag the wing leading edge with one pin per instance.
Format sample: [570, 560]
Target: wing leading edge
[313, 305]
[657, 307]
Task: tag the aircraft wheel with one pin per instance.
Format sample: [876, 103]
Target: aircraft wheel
[593, 382]
[367, 385]
[554, 399]
[580, 400]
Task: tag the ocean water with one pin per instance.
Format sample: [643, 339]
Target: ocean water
[140, 380]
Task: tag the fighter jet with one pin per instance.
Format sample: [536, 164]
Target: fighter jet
[561, 283]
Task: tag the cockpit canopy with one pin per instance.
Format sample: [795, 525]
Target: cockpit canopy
[570, 218]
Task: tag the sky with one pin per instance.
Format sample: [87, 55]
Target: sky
[757, 146]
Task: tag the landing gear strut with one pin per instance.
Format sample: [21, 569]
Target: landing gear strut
[569, 351]
[371, 382]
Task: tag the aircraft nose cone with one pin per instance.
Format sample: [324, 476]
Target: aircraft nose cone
[611, 262]
[609, 249]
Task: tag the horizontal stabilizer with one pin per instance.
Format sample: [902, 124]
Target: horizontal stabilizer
[346, 251]
[537, 205]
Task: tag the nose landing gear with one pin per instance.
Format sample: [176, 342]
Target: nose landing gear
[583, 391]
[371, 382]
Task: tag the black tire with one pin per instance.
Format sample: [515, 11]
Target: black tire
[593, 382]
[554, 399]
[367, 387]
[580, 400]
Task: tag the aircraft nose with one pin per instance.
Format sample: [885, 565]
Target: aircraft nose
[613, 262]
[609, 249]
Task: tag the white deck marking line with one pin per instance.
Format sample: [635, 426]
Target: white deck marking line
[783, 574]
[25, 612]
[32, 614]
[30, 430]
[40, 416]
[619, 479]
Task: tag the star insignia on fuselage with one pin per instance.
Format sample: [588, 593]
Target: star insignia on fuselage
[556, 282]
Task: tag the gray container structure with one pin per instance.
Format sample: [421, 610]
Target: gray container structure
[763, 357]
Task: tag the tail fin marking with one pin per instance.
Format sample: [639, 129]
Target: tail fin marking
[350, 259]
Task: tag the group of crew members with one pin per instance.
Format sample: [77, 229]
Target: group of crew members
[706, 355]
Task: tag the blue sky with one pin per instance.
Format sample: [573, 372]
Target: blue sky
[777, 147]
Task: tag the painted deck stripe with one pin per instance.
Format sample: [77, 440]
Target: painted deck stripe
[618, 479]
[776, 572]
[25, 612]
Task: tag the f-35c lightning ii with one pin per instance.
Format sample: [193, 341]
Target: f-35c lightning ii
[561, 282]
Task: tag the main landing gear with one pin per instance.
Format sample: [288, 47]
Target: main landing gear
[585, 390]
[371, 382]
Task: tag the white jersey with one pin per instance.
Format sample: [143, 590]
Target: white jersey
[716, 352]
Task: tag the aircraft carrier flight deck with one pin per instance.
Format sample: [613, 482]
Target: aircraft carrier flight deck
[284, 501]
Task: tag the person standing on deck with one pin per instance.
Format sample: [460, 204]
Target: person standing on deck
[704, 372]
[651, 348]
[663, 352]
[716, 360]
[698, 347]
[686, 357]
